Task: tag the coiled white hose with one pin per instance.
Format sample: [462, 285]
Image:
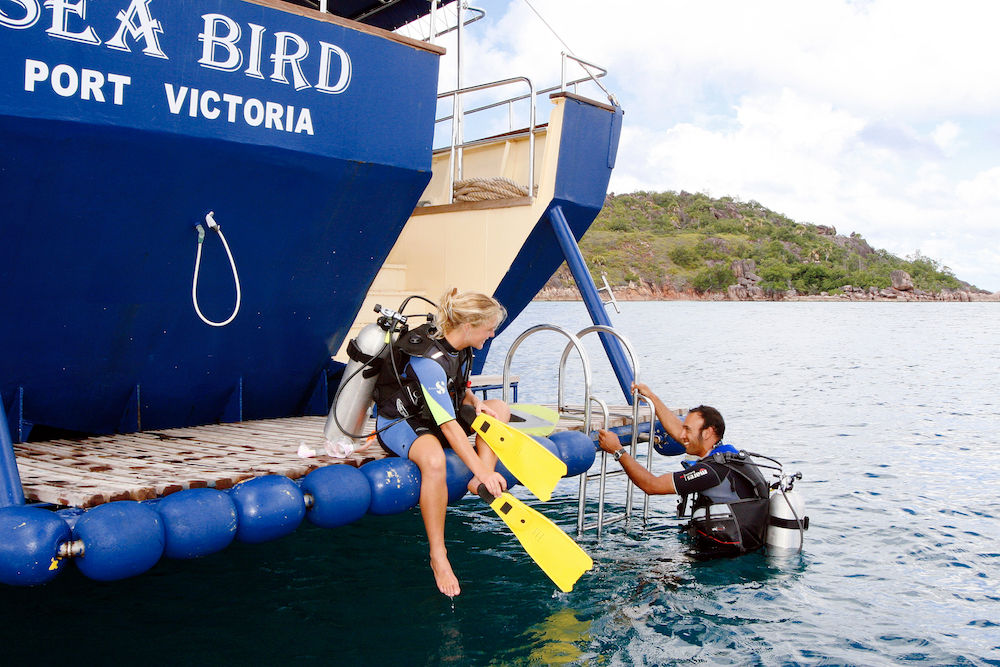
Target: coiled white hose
[212, 224]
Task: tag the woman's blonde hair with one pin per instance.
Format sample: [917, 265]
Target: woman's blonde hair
[466, 308]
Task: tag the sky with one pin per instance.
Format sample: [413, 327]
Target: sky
[880, 117]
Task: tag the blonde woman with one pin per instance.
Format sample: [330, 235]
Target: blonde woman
[424, 391]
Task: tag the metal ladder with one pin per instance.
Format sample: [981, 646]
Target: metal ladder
[585, 416]
[603, 474]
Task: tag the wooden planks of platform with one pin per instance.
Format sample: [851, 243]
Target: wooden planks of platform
[150, 464]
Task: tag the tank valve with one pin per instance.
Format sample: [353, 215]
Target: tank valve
[390, 314]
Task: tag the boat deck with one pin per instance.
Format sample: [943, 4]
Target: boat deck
[149, 464]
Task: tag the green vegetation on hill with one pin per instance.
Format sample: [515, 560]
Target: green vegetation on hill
[685, 241]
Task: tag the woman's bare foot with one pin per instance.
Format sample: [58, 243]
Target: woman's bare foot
[445, 577]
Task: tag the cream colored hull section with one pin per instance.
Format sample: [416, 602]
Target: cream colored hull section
[466, 245]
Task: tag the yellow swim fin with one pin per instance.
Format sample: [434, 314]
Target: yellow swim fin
[527, 459]
[533, 419]
[554, 551]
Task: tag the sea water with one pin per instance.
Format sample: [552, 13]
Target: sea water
[890, 411]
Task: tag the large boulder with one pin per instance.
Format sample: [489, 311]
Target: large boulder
[745, 268]
[901, 280]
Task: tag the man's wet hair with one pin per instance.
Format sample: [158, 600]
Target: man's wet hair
[712, 418]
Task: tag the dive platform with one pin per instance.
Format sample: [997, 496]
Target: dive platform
[91, 471]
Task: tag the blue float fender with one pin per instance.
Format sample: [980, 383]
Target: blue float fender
[576, 450]
[547, 443]
[268, 507]
[507, 475]
[197, 522]
[666, 445]
[120, 540]
[395, 485]
[30, 538]
[340, 495]
[458, 476]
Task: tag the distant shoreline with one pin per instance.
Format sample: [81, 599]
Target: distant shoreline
[646, 293]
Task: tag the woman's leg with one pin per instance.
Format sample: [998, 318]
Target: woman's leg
[427, 453]
[485, 453]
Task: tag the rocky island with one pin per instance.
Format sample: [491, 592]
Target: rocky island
[682, 246]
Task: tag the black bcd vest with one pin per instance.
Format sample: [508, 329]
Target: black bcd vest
[400, 395]
[735, 525]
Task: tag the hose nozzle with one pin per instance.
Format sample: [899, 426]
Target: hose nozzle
[210, 221]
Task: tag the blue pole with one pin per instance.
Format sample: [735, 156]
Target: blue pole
[592, 299]
[11, 492]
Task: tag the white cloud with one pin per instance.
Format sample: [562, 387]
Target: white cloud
[983, 190]
[876, 116]
[945, 135]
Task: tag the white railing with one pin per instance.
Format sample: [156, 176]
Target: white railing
[457, 121]
[590, 77]
[458, 114]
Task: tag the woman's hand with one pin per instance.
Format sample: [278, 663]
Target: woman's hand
[495, 483]
[483, 409]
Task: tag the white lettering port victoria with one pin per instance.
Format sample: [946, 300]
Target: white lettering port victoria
[275, 57]
[256, 113]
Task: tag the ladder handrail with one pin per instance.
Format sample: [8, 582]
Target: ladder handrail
[600, 328]
[582, 500]
[574, 342]
[649, 448]
[636, 399]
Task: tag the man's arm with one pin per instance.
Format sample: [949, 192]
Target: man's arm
[643, 478]
[671, 422]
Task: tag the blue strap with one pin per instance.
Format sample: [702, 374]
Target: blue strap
[723, 449]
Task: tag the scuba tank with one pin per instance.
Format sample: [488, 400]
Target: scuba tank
[788, 521]
[356, 393]
[354, 396]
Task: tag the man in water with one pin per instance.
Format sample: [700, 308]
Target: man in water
[730, 511]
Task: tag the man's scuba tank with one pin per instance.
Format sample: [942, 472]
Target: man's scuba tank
[788, 521]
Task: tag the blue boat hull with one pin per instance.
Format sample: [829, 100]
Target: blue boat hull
[98, 239]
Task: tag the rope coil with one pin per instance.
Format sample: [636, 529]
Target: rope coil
[486, 189]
